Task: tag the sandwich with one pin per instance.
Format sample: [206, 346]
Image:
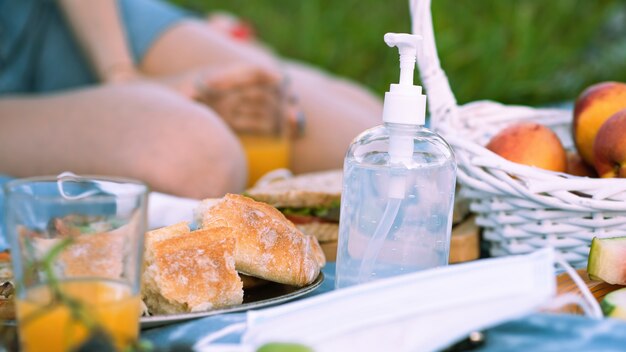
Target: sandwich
[311, 201]
[268, 246]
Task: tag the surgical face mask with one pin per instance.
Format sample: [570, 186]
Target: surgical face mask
[424, 311]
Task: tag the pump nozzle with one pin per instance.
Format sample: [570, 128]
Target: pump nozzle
[405, 103]
[407, 46]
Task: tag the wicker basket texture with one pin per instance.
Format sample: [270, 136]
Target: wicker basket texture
[520, 208]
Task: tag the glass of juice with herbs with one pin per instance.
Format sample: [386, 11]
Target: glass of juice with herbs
[76, 246]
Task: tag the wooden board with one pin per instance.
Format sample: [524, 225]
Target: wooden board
[599, 289]
[464, 242]
[330, 250]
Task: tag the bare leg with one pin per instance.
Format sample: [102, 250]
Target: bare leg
[193, 44]
[336, 112]
[336, 109]
[141, 131]
[348, 90]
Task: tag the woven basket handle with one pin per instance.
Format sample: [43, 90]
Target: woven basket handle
[441, 102]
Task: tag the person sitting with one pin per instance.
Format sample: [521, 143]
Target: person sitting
[133, 88]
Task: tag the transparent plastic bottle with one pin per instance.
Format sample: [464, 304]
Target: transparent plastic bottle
[398, 189]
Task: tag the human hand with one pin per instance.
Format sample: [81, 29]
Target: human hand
[121, 73]
[250, 98]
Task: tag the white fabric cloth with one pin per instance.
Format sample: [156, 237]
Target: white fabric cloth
[165, 209]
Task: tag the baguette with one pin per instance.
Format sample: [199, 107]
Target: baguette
[7, 290]
[190, 271]
[269, 246]
[95, 255]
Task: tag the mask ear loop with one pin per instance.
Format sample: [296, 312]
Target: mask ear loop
[587, 302]
[206, 343]
[67, 177]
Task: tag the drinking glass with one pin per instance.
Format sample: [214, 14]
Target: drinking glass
[76, 247]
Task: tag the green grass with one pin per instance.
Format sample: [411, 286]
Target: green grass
[524, 51]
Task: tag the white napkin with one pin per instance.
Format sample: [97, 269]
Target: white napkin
[165, 209]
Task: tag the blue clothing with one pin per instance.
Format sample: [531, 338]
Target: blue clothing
[38, 52]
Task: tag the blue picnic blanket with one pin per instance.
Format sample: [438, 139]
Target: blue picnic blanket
[535, 332]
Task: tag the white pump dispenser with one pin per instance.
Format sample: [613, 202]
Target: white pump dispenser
[398, 189]
[404, 102]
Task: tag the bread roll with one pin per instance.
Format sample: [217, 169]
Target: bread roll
[90, 255]
[190, 271]
[7, 305]
[268, 245]
[94, 255]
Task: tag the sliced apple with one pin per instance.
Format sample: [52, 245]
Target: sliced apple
[607, 260]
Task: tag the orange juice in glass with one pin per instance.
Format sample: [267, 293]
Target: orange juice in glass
[76, 247]
[265, 153]
[46, 325]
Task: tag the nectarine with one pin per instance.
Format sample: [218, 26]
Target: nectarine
[578, 167]
[609, 147]
[594, 106]
[531, 144]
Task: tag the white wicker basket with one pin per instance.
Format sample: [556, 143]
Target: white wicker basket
[520, 208]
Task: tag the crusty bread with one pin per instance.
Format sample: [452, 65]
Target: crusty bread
[268, 245]
[318, 189]
[94, 255]
[190, 271]
[161, 234]
[89, 254]
[166, 232]
[7, 304]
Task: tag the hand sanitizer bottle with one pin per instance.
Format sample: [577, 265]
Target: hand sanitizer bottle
[398, 187]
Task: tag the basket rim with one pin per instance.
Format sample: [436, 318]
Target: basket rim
[516, 180]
